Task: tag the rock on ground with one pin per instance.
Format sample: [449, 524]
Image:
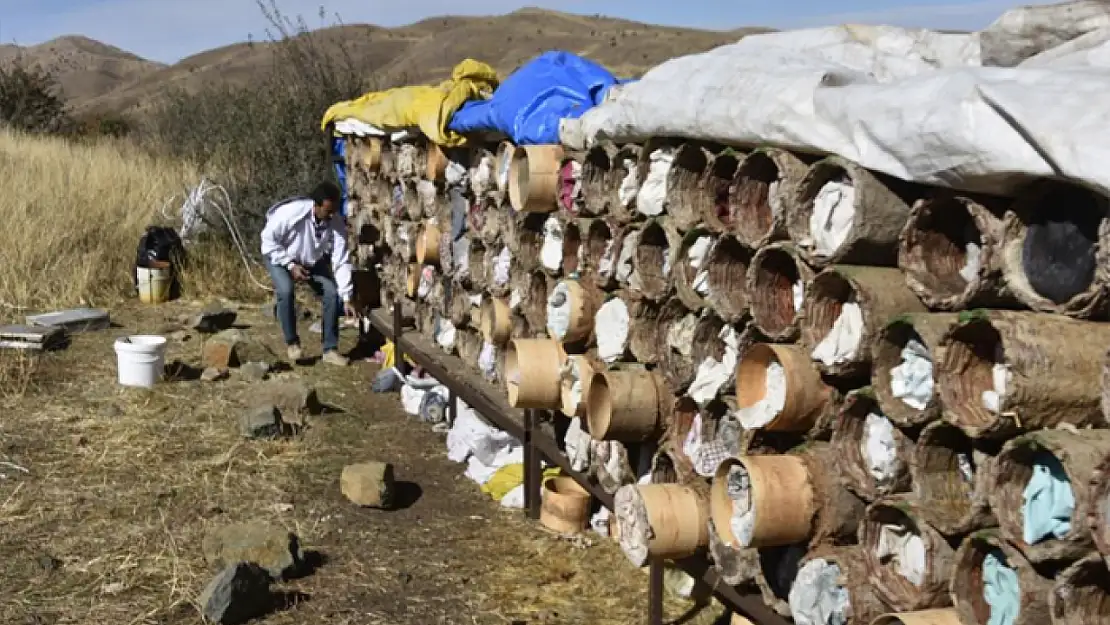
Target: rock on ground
[368, 484]
[275, 550]
[254, 371]
[227, 349]
[260, 422]
[215, 317]
[237, 594]
[293, 397]
[212, 374]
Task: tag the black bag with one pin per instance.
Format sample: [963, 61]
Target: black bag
[159, 246]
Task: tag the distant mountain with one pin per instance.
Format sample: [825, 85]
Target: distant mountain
[98, 78]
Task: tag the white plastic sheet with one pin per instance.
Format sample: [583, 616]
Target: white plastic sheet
[916, 104]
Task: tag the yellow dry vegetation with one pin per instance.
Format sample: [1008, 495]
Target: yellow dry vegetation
[71, 215]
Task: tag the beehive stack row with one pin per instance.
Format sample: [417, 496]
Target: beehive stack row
[814, 371]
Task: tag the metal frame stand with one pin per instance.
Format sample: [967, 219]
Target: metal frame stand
[538, 447]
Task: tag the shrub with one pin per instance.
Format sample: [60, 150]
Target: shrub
[31, 100]
[263, 141]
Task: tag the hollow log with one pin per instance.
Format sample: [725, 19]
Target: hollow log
[949, 252]
[649, 321]
[570, 310]
[845, 214]
[727, 266]
[776, 285]
[603, 244]
[1068, 456]
[691, 275]
[1056, 250]
[1002, 372]
[778, 389]
[778, 567]
[623, 405]
[612, 325]
[942, 616]
[896, 540]
[1081, 594]
[601, 174]
[951, 473]
[534, 300]
[763, 189]
[654, 258]
[687, 337]
[661, 521]
[576, 263]
[626, 184]
[967, 587]
[689, 191]
[1098, 513]
[903, 367]
[862, 606]
[875, 456]
[525, 238]
[779, 500]
[534, 178]
[845, 307]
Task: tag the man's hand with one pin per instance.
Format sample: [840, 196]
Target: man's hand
[349, 310]
[300, 274]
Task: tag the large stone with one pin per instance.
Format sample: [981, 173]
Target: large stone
[254, 371]
[368, 484]
[238, 594]
[215, 317]
[212, 374]
[229, 348]
[294, 399]
[260, 422]
[276, 550]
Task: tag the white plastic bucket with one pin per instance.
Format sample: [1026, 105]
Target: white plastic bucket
[154, 284]
[140, 360]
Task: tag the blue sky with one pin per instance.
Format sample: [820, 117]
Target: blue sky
[167, 30]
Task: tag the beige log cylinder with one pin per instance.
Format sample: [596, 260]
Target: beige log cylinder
[778, 389]
[623, 405]
[565, 507]
[669, 521]
[496, 321]
[532, 373]
[777, 501]
[534, 178]
[427, 244]
[944, 616]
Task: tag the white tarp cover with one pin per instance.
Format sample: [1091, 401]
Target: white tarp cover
[919, 105]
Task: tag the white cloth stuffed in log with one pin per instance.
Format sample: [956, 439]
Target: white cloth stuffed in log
[817, 598]
[834, 212]
[842, 343]
[651, 200]
[551, 252]
[912, 379]
[880, 450]
[696, 255]
[630, 184]
[905, 549]
[612, 323]
[764, 411]
[713, 374]
[739, 489]
[558, 311]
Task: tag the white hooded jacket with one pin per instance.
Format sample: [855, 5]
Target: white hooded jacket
[289, 237]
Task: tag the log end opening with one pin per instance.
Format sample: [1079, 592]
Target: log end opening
[1052, 246]
[972, 375]
[654, 260]
[903, 374]
[825, 211]
[754, 187]
[776, 290]
[941, 250]
[945, 473]
[1082, 593]
[831, 320]
[603, 244]
[691, 275]
[871, 448]
[727, 267]
[574, 260]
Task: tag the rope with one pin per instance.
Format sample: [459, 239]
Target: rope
[192, 216]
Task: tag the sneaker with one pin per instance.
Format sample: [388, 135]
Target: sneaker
[294, 352]
[333, 357]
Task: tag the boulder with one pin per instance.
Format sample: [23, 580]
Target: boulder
[276, 550]
[254, 371]
[238, 594]
[215, 317]
[212, 374]
[230, 348]
[368, 484]
[260, 422]
[294, 399]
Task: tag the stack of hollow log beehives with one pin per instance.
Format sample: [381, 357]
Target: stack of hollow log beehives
[864, 399]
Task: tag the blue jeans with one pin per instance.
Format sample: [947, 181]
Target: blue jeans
[322, 282]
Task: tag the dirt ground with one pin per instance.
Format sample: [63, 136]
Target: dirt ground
[105, 524]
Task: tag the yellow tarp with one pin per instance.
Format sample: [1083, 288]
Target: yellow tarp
[509, 477]
[428, 107]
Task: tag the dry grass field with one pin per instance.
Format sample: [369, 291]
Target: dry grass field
[106, 493]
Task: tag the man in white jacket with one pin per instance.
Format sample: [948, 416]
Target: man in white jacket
[305, 240]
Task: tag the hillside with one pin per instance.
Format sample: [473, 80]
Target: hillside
[100, 78]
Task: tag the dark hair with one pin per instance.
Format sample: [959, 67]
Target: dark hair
[326, 190]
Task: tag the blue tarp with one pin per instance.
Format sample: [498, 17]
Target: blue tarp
[528, 105]
[338, 154]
